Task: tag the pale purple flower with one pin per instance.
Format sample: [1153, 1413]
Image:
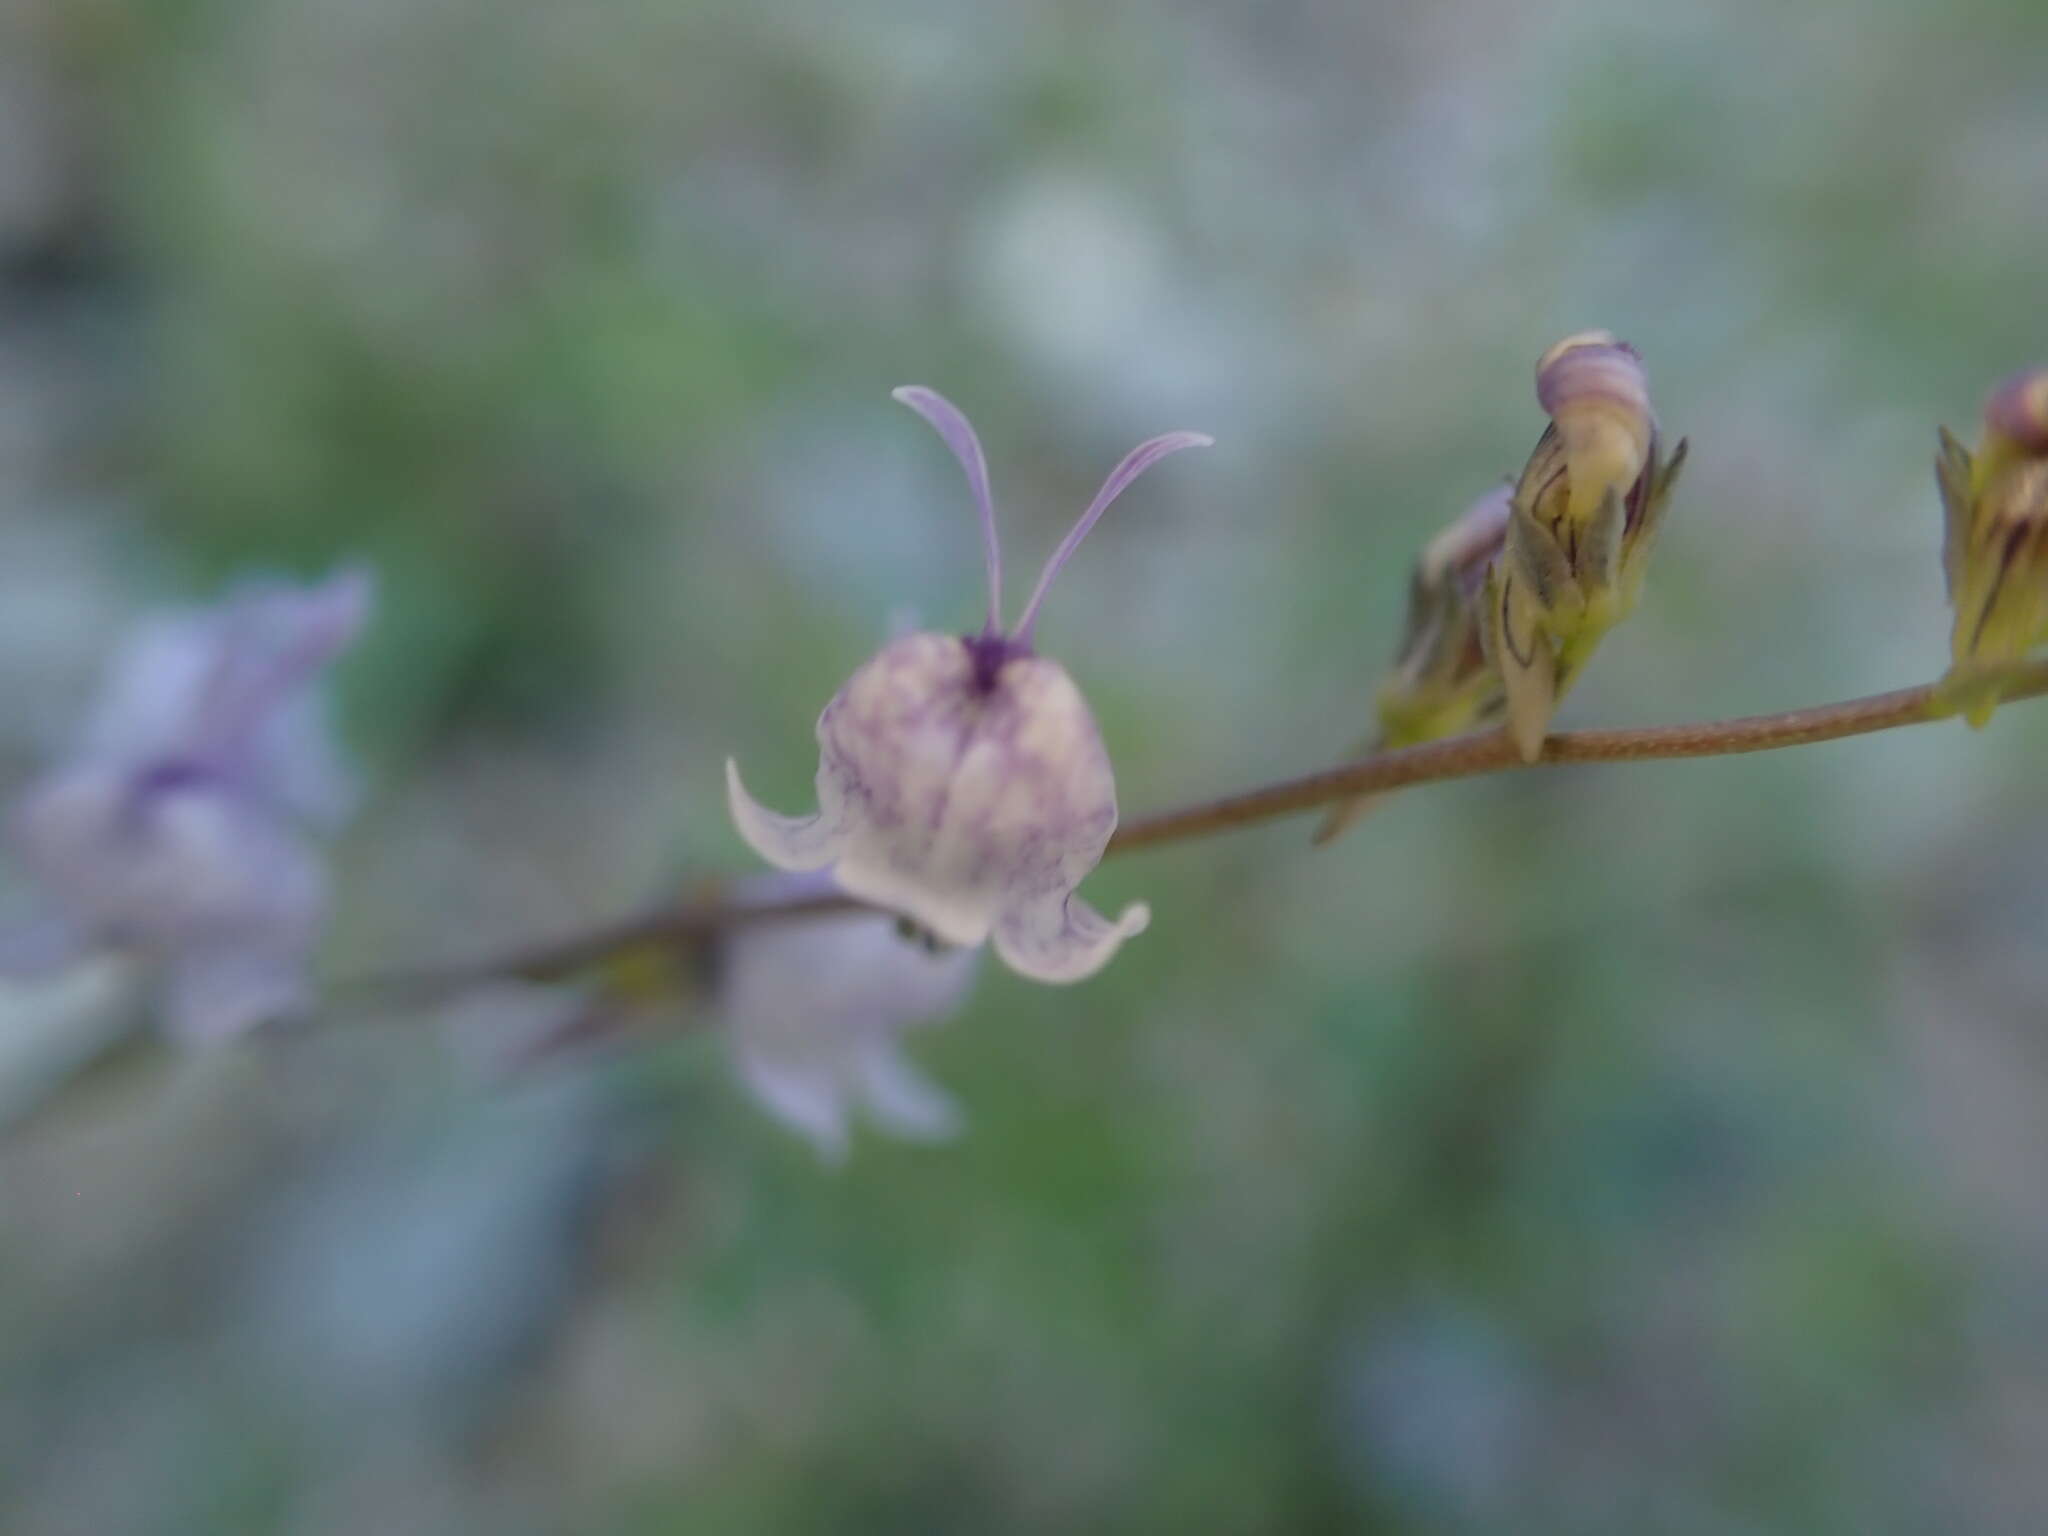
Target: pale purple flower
[182, 828]
[814, 1009]
[962, 780]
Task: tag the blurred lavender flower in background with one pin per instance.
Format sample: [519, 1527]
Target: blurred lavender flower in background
[814, 1010]
[181, 829]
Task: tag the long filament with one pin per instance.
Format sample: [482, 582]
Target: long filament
[950, 424]
[1135, 463]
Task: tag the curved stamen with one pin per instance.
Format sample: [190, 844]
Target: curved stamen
[951, 425]
[1135, 463]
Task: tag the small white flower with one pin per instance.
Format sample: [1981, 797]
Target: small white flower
[814, 1009]
[180, 828]
[962, 780]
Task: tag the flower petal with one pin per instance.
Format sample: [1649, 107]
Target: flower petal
[273, 638]
[1061, 938]
[960, 916]
[810, 1101]
[33, 948]
[960, 802]
[903, 1101]
[796, 843]
[812, 1009]
[212, 996]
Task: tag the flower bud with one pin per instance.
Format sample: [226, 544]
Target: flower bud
[962, 780]
[1441, 682]
[1585, 514]
[1995, 542]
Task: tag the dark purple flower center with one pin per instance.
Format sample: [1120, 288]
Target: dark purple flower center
[989, 654]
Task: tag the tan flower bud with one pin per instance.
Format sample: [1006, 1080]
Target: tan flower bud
[1995, 542]
[1585, 514]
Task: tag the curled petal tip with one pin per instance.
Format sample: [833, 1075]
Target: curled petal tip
[797, 843]
[1063, 939]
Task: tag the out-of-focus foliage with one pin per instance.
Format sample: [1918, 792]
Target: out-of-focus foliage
[1604, 1150]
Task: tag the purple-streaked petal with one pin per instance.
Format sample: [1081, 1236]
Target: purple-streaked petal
[795, 843]
[954, 796]
[1135, 463]
[963, 802]
[1060, 938]
[951, 424]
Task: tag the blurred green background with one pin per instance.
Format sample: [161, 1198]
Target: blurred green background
[1629, 1149]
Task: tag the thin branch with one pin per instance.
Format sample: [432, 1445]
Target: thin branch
[1464, 757]
[707, 912]
[1458, 757]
